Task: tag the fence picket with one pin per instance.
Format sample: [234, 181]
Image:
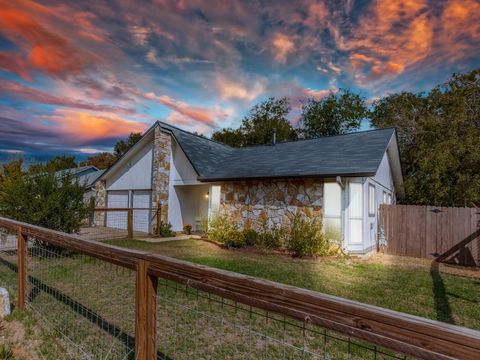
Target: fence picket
[421, 231]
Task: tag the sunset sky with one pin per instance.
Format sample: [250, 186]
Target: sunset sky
[77, 76]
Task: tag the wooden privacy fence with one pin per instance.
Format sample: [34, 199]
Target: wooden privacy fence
[446, 233]
[377, 327]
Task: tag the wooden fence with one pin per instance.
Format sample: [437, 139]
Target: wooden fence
[407, 334]
[452, 234]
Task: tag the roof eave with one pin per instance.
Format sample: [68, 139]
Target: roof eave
[310, 176]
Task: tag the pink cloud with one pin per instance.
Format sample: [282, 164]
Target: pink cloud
[12, 88]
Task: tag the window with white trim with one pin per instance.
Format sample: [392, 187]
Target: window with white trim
[355, 213]
[372, 205]
[385, 197]
[389, 199]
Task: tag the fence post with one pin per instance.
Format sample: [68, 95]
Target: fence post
[145, 313]
[130, 223]
[22, 269]
[159, 220]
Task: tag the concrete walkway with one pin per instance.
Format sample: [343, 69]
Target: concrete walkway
[172, 238]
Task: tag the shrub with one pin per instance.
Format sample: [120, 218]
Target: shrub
[220, 226]
[250, 237]
[269, 237]
[187, 229]
[234, 239]
[305, 236]
[165, 230]
[45, 199]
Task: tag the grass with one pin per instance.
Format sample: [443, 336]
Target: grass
[91, 303]
[402, 284]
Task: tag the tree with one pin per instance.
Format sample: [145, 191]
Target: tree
[439, 138]
[122, 146]
[101, 160]
[338, 113]
[42, 198]
[57, 163]
[258, 126]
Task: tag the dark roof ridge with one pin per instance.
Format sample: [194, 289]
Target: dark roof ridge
[316, 138]
[190, 133]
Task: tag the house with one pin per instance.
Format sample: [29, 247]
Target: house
[189, 177]
[86, 175]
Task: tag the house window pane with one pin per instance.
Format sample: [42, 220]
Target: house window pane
[355, 206]
[332, 199]
[385, 198]
[371, 200]
[333, 229]
[355, 235]
[389, 199]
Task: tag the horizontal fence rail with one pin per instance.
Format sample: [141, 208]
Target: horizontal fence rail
[188, 311]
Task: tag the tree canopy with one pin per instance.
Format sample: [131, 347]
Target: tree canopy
[338, 113]
[101, 160]
[258, 126]
[439, 140]
[122, 146]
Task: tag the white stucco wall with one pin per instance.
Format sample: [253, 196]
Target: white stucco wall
[136, 174]
[181, 170]
[382, 181]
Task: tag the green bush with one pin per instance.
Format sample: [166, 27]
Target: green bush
[269, 237]
[250, 237]
[42, 198]
[234, 239]
[165, 230]
[220, 227]
[305, 236]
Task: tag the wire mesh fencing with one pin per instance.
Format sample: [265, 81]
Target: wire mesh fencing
[194, 324]
[109, 223]
[87, 303]
[8, 261]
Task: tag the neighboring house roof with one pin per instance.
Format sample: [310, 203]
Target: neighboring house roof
[86, 175]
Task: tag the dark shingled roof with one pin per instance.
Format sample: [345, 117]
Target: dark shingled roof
[355, 154]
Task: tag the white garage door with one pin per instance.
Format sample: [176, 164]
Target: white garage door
[142, 217]
[117, 219]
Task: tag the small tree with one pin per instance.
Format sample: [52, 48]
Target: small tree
[43, 199]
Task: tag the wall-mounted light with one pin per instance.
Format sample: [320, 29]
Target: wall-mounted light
[206, 195]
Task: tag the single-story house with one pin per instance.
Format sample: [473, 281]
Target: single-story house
[86, 175]
[189, 177]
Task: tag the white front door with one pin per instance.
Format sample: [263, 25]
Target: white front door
[117, 199]
[142, 213]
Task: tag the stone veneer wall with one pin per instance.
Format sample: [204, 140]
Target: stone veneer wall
[162, 148]
[247, 202]
[100, 194]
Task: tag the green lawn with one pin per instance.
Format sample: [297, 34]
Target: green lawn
[402, 284]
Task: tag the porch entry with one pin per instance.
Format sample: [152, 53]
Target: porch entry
[197, 203]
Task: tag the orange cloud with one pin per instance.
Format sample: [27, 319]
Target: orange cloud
[40, 48]
[83, 127]
[282, 47]
[237, 89]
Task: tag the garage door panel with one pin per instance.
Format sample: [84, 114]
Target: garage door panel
[117, 219]
[142, 217]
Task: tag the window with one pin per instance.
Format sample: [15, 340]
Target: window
[371, 200]
[355, 212]
[385, 197]
[333, 211]
[389, 199]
